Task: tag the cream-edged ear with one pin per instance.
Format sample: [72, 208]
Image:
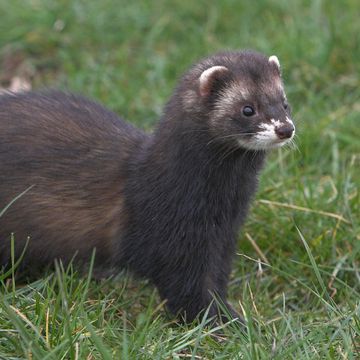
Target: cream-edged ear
[209, 76]
[273, 59]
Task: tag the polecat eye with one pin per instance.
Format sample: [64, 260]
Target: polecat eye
[248, 110]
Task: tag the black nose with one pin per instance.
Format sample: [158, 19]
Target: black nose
[284, 132]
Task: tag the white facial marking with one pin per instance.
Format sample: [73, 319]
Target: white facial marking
[274, 59]
[268, 134]
[289, 121]
[228, 97]
[265, 139]
[267, 127]
[275, 122]
[233, 94]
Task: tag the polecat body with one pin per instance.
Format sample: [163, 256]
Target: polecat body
[166, 205]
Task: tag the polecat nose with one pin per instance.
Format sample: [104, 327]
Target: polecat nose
[284, 132]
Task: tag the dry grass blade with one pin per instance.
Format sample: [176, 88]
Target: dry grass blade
[304, 209]
[257, 249]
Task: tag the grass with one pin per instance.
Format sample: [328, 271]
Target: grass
[297, 271]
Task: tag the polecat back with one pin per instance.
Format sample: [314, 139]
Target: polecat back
[69, 155]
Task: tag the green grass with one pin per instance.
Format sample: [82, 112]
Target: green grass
[303, 301]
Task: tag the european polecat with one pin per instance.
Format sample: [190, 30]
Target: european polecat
[166, 205]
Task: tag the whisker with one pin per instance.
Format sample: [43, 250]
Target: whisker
[215, 138]
[230, 136]
[228, 154]
[194, 131]
[293, 145]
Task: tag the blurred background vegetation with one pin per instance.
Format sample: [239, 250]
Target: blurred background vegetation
[128, 55]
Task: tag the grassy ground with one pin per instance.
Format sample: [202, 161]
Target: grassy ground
[297, 271]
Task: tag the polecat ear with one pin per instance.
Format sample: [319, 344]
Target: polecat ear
[208, 78]
[273, 59]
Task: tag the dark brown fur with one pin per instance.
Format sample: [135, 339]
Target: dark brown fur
[72, 151]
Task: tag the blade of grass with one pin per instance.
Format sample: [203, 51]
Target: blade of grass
[2, 212]
[100, 346]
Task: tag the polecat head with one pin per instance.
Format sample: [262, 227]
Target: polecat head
[242, 98]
